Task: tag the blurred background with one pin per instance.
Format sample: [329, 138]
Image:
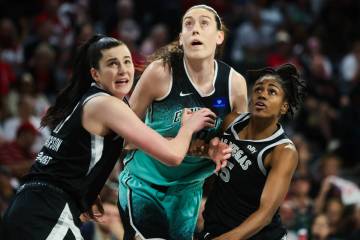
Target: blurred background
[38, 39]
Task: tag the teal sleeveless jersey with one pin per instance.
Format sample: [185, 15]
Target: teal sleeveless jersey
[164, 116]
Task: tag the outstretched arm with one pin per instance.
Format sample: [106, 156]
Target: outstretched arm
[118, 117]
[283, 162]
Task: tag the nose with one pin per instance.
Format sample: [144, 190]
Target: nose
[195, 29]
[121, 69]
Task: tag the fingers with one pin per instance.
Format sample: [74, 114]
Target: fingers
[214, 142]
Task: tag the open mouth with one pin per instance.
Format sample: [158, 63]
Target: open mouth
[260, 105]
[196, 43]
[121, 81]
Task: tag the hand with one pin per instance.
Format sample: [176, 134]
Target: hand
[94, 213]
[219, 152]
[198, 147]
[198, 120]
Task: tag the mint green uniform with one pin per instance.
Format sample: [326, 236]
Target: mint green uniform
[151, 190]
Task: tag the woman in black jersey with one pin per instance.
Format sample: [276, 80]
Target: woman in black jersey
[247, 193]
[89, 121]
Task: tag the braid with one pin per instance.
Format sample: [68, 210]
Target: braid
[294, 86]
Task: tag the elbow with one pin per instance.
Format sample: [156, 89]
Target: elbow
[174, 160]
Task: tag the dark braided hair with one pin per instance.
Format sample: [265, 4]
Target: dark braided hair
[288, 76]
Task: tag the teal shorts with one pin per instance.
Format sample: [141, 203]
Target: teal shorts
[149, 211]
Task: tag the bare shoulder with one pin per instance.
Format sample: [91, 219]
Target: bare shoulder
[154, 82]
[238, 92]
[103, 102]
[285, 156]
[237, 77]
[158, 71]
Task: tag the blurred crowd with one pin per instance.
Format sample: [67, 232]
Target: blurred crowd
[38, 39]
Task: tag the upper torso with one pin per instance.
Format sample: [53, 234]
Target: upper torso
[164, 116]
[76, 160]
[238, 187]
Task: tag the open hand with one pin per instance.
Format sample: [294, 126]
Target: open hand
[219, 152]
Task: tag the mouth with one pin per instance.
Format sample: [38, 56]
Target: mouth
[121, 82]
[259, 105]
[196, 43]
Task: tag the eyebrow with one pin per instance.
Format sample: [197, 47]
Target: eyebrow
[191, 17]
[114, 58]
[270, 84]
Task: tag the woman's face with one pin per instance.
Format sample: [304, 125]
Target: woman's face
[116, 71]
[199, 36]
[268, 98]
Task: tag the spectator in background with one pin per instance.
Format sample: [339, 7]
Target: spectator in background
[282, 51]
[159, 37]
[42, 67]
[26, 110]
[334, 211]
[350, 68]
[109, 226]
[18, 155]
[320, 229]
[25, 86]
[10, 43]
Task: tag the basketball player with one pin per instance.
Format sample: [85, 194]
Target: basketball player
[158, 201]
[247, 193]
[89, 122]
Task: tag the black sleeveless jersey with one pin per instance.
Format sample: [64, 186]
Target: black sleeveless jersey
[74, 159]
[238, 186]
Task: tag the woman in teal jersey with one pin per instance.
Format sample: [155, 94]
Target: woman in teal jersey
[155, 200]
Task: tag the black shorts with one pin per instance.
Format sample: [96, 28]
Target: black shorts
[41, 211]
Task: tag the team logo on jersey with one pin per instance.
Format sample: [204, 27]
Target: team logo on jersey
[185, 94]
[251, 148]
[178, 114]
[219, 102]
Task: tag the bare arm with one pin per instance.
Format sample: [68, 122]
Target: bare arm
[239, 98]
[118, 117]
[283, 163]
[153, 84]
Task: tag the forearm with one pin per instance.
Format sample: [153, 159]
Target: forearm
[180, 144]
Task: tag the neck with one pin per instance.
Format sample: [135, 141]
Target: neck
[200, 70]
[260, 128]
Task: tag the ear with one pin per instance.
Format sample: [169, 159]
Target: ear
[94, 74]
[284, 108]
[220, 37]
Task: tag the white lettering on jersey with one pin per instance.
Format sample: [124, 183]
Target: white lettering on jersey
[178, 114]
[53, 143]
[43, 159]
[239, 156]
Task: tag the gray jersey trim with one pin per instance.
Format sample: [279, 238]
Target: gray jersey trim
[97, 146]
[260, 159]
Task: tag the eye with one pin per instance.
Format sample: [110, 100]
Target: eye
[204, 22]
[258, 89]
[187, 23]
[273, 92]
[113, 64]
[128, 61]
